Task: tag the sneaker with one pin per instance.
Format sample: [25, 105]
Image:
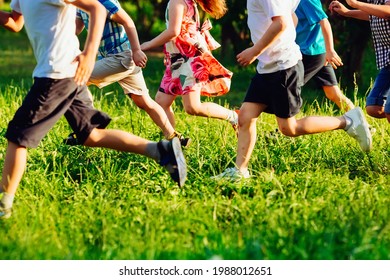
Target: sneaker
[359, 129]
[172, 159]
[5, 213]
[184, 142]
[71, 140]
[232, 174]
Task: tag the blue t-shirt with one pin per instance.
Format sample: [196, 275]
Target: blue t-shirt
[309, 34]
[114, 38]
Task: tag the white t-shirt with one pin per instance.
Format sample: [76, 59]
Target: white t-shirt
[284, 52]
[50, 26]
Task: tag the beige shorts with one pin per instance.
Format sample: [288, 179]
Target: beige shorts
[119, 68]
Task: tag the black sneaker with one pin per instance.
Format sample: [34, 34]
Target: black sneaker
[71, 140]
[185, 142]
[172, 159]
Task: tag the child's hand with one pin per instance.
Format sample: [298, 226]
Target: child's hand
[84, 68]
[140, 58]
[333, 59]
[336, 6]
[246, 57]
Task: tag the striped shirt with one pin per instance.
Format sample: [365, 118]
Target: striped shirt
[114, 38]
[380, 29]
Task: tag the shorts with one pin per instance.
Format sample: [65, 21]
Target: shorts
[119, 68]
[314, 68]
[380, 91]
[280, 91]
[46, 102]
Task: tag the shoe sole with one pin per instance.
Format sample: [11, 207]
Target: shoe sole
[364, 128]
[180, 161]
[5, 215]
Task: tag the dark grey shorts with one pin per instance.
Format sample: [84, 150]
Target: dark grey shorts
[45, 103]
[315, 69]
[280, 91]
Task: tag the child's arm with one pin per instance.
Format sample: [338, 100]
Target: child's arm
[12, 21]
[382, 11]
[177, 9]
[124, 19]
[331, 55]
[276, 28]
[86, 60]
[336, 6]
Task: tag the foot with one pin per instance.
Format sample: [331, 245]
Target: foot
[172, 159]
[234, 121]
[359, 129]
[232, 174]
[71, 140]
[5, 213]
[185, 142]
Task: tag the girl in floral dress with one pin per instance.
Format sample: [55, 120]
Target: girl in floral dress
[191, 70]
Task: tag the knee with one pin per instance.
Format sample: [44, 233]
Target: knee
[140, 101]
[93, 138]
[375, 111]
[191, 110]
[288, 131]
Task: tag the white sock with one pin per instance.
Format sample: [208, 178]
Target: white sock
[231, 116]
[7, 200]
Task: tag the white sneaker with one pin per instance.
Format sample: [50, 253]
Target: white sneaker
[232, 174]
[359, 128]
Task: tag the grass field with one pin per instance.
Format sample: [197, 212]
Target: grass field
[312, 197]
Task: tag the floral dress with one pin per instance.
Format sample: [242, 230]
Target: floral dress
[189, 62]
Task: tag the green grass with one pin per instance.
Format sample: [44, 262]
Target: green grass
[312, 197]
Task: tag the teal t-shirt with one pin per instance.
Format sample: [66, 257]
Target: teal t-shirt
[309, 34]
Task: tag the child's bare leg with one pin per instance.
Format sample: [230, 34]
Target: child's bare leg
[166, 153]
[249, 113]
[117, 140]
[309, 125]
[14, 166]
[334, 94]
[376, 111]
[156, 113]
[194, 106]
[165, 101]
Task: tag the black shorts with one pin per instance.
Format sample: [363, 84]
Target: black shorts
[280, 91]
[45, 103]
[314, 68]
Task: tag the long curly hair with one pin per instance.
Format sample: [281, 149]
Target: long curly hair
[215, 8]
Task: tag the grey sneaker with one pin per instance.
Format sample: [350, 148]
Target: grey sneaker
[5, 213]
[359, 128]
[172, 159]
[232, 174]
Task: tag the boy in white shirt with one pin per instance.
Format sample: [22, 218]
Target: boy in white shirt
[276, 87]
[59, 89]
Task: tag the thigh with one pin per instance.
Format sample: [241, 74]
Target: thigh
[83, 118]
[312, 65]
[45, 103]
[111, 69]
[134, 83]
[380, 90]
